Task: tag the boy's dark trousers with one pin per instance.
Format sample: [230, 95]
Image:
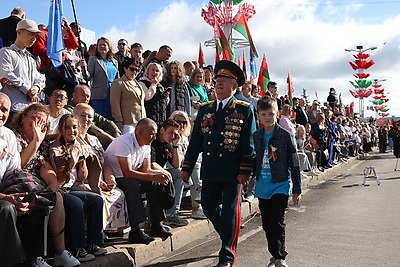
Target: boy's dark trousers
[273, 222]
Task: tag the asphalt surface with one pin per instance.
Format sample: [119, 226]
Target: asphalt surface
[340, 222]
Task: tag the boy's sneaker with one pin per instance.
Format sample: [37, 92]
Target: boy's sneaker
[271, 262]
[280, 263]
[83, 256]
[198, 214]
[96, 250]
[40, 262]
[65, 259]
[175, 220]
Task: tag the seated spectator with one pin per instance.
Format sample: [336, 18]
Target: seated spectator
[155, 96]
[67, 156]
[18, 74]
[104, 129]
[130, 159]
[312, 150]
[30, 129]
[57, 101]
[115, 213]
[127, 98]
[11, 205]
[179, 91]
[319, 131]
[184, 131]
[165, 149]
[286, 119]
[301, 153]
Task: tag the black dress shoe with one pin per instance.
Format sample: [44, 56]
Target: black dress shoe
[138, 237]
[157, 230]
[224, 264]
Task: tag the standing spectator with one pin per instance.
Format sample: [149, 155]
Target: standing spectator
[156, 98]
[274, 174]
[301, 112]
[8, 26]
[77, 29]
[272, 91]
[383, 138]
[103, 69]
[227, 157]
[137, 54]
[189, 68]
[198, 91]
[55, 76]
[208, 79]
[130, 159]
[162, 56]
[127, 98]
[179, 92]
[122, 55]
[314, 111]
[332, 98]
[18, 73]
[103, 128]
[246, 90]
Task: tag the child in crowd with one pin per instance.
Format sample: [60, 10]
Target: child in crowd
[67, 155]
[276, 162]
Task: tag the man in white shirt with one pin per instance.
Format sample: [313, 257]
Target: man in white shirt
[11, 205]
[18, 70]
[130, 158]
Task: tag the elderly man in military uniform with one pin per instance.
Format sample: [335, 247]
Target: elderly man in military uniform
[223, 131]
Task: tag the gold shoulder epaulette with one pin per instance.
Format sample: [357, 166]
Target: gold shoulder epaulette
[243, 103]
[209, 103]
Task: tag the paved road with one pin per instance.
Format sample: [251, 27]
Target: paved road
[339, 223]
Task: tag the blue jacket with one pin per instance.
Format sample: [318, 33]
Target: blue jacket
[286, 164]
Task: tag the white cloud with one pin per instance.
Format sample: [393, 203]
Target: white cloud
[308, 39]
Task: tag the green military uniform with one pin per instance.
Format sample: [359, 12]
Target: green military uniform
[226, 140]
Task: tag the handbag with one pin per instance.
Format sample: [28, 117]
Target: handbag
[41, 201]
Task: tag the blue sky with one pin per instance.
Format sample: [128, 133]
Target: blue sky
[306, 36]
[124, 14]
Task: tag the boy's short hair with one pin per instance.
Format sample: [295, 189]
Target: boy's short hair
[265, 103]
[170, 123]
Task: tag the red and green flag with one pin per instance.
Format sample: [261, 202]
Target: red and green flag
[222, 44]
[201, 59]
[263, 77]
[244, 66]
[290, 86]
[241, 26]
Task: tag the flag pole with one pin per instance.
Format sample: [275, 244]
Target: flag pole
[76, 21]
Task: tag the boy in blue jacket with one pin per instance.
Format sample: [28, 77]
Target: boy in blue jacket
[276, 164]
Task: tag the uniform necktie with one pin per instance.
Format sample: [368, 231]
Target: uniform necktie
[220, 106]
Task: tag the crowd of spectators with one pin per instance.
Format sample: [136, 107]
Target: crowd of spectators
[93, 163]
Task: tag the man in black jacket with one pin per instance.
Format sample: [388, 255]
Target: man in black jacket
[8, 26]
[301, 113]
